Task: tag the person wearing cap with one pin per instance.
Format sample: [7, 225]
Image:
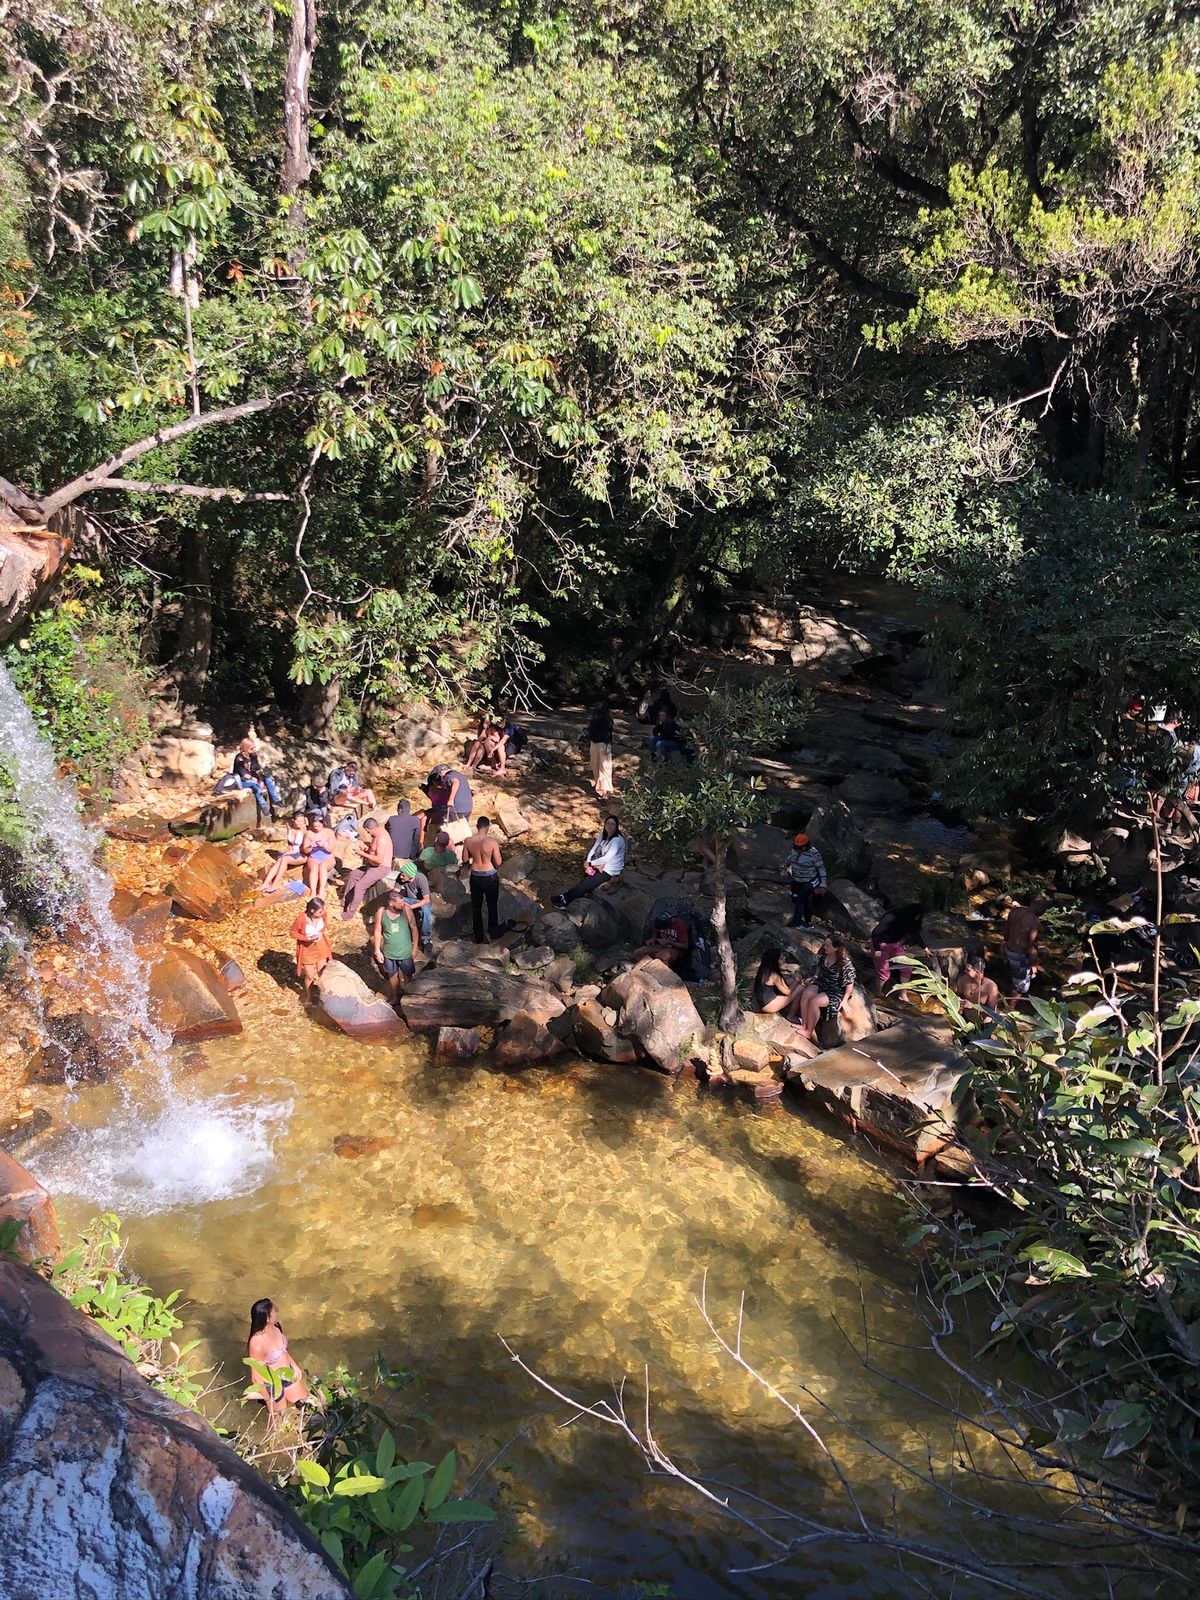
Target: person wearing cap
[414, 886]
[806, 877]
[393, 935]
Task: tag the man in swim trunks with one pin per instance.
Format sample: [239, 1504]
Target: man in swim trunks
[977, 992]
[482, 858]
[1021, 934]
[393, 936]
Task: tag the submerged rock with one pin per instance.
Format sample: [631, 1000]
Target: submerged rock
[107, 1487]
[189, 998]
[354, 1146]
[526, 1042]
[354, 1008]
[457, 1044]
[597, 1038]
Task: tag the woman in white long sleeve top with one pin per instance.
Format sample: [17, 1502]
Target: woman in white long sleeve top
[604, 864]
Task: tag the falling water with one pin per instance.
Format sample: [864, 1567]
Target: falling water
[165, 1146]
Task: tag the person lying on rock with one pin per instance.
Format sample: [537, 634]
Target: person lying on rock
[317, 850]
[829, 988]
[439, 856]
[276, 1375]
[313, 952]
[977, 991]
[806, 877]
[482, 859]
[773, 992]
[418, 896]
[406, 831]
[292, 855]
[393, 937]
[376, 851]
[603, 866]
[249, 773]
[345, 789]
[668, 942]
[1022, 932]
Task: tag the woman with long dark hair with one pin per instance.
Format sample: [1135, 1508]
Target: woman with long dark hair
[830, 986]
[600, 742]
[773, 993]
[603, 865]
[274, 1372]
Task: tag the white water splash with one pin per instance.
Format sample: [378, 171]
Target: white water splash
[164, 1146]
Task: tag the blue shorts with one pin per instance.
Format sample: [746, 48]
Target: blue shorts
[391, 967]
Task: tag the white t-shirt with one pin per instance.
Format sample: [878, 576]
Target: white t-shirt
[608, 855]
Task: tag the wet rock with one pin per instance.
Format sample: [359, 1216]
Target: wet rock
[219, 818]
[526, 1042]
[841, 841]
[107, 1487]
[75, 1050]
[477, 996]
[354, 1146]
[23, 1199]
[850, 908]
[146, 827]
[184, 755]
[207, 885]
[457, 1044]
[356, 1009]
[538, 955]
[188, 998]
[29, 1123]
[598, 1039]
[146, 916]
[872, 790]
[556, 930]
[439, 1214]
[656, 1010]
[753, 1053]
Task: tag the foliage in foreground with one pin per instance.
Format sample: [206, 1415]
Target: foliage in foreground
[338, 1464]
[1089, 1130]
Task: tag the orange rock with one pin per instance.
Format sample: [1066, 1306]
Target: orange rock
[189, 999]
[22, 1196]
[208, 885]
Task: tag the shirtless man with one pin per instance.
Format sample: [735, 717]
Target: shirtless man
[482, 858]
[1021, 933]
[376, 851]
[978, 992]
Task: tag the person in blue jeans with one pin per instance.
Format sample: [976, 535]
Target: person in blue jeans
[249, 773]
[666, 739]
[414, 885]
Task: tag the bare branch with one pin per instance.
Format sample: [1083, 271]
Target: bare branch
[195, 490]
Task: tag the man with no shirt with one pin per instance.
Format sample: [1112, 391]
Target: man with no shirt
[482, 858]
[978, 992]
[1021, 933]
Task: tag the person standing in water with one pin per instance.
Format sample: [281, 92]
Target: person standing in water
[313, 950]
[275, 1374]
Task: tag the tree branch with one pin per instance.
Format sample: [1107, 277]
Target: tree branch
[195, 490]
[88, 481]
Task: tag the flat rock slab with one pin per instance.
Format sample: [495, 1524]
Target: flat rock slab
[219, 818]
[146, 827]
[475, 996]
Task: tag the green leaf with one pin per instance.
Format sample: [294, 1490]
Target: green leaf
[368, 1576]
[408, 1504]
[442, 1481]
[332, 1541]
[385, 1456]
[1058, 1263]
[367, 1483]
[313, 1472]
[462, 1511]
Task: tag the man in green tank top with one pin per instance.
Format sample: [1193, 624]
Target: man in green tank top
[394, 934]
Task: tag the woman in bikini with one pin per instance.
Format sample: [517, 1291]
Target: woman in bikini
[317, 850]
[313, 951]
[773, 993]
[277, 1378]
[292, 855]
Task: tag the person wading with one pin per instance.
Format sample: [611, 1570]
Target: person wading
[1022, 932]
[482, 858]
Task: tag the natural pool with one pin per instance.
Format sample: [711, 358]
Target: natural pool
[573, 1212]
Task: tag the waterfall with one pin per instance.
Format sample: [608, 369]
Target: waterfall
[160, 1145]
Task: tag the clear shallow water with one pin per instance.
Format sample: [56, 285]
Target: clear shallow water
[574, 1213]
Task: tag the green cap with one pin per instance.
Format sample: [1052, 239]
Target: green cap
[408, 869]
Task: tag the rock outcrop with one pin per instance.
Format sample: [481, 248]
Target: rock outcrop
[207, 885]
[183, 755]
[656, 1011]
[109, 1489]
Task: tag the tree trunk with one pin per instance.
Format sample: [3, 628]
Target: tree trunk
[731, 1011]
[193, 649]
[297, 160]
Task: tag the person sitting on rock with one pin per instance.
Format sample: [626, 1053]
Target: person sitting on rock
[418, 896]
[666, 740]
[345, 788]
[313, 951]
[376, 849]
[829, 988]
[773, 993]
[406, 831]
[977, 991]
[488, 750]
[249, 773]
[317, 850]
[603, 866]
[668, 942]
[439, 856]
[393, 936]
[292, 855]
[892, 937]
[316, 798]
[806, 877]
[276, 1375]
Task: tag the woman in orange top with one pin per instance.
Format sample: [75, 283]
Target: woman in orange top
[312, 945]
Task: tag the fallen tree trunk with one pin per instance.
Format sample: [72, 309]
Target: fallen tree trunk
[31, 558]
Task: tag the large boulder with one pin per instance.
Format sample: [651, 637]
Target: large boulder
[22, 1199]
[107, 1488]
[189, 999]
[655, 1009]
[221, 817]
[475, 997]
[759, 853]
[208, 885]
[526, 1042]
[850, 908]
[556, 930]
[184, 755]
[420, 733]
[840, 840]
[600, 924]
[354, 1008]
[596, 1035]
[873, 790]
[146, 916]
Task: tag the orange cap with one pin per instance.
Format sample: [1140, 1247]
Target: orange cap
[802, 839]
